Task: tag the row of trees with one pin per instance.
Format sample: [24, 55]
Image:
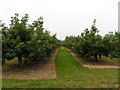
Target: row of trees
[30, 41]
[90, 43]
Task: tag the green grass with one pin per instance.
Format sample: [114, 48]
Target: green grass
[6, 61]
[70, 74]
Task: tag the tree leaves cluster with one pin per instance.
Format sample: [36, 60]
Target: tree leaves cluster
[30, 41]
[90, 43]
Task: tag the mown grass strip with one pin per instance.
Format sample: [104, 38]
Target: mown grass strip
[66, 65]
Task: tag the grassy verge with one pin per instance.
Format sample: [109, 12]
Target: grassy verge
[70, 74]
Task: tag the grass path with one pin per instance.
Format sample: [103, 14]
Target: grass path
[70, 74]
[66, 65]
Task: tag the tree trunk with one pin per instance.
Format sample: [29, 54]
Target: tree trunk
[20, 61]
[96, 58]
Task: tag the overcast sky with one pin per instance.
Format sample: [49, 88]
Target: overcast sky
[65, 17]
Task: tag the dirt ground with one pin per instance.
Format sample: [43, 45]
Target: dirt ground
[39, 70]
[90, 63]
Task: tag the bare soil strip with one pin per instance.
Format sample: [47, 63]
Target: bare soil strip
[39, 70]
[90, 63]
